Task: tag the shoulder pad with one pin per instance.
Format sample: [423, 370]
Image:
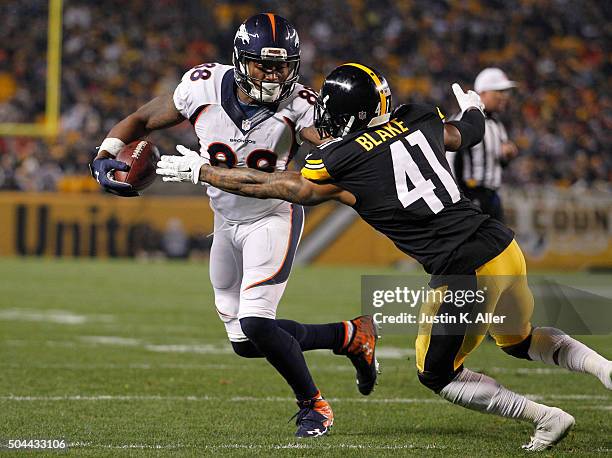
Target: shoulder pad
[200, 85]
[415, 111]
[301, 96]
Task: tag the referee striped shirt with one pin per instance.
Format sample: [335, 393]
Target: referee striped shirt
[481, 165]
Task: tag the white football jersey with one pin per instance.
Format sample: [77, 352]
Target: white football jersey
[266, 141]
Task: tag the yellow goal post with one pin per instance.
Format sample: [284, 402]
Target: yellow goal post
[50, 127]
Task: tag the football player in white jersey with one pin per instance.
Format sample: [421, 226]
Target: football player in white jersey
[253, 114]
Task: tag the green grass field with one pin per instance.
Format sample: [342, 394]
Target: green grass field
[129, 358]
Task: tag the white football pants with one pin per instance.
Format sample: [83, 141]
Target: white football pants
[250, 264]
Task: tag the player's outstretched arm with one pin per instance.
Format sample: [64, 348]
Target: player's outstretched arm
[289, 186]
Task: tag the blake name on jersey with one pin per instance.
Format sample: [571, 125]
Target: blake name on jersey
[266, 140]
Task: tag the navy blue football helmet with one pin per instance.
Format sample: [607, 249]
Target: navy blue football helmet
[266, 37]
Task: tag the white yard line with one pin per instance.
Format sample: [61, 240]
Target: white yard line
[218, 348]
[221, 348]
[205, 349]
[570, 397]
[383, 352]
[326, 446]
[111, 340]
[51, 316]
[373, 400]
[523, 370]
[126, 446]
[312, 446]
[237, 366]
[106, 397]
[162, 366]
[128, 366]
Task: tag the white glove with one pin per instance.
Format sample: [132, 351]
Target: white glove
[182, 168]
[467, 100]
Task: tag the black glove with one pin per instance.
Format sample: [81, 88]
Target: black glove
[102, 170]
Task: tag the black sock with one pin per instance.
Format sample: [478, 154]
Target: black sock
[246, 349]
[283, 351]
[329, 336]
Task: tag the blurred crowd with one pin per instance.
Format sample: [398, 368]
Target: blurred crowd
[117, 55]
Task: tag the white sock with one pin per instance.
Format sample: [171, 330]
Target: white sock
[553, 346]
[350, 330]
[482, 393]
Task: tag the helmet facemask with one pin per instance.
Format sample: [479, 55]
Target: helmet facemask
[261, 90]
[337, 125]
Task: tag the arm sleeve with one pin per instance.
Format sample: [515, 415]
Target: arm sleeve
[304, 119]
[471, 126]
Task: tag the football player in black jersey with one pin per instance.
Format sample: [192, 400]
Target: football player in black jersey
[390, 166]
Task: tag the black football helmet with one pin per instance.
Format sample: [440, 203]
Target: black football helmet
[266, 37]
[352, 97]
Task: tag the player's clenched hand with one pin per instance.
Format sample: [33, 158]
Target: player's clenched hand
[467, 100]
[185, 167]
[102, 170]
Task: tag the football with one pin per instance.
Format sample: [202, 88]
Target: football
[141, 156]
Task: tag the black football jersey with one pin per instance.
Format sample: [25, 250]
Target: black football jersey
[404, 188]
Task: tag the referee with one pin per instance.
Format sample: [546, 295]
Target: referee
[478, 169]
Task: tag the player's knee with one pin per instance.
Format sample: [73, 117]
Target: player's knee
[256, 328]
[519, 350]
[246, 349]
[437, 380]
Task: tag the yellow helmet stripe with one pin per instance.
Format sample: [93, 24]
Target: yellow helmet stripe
[370, 72]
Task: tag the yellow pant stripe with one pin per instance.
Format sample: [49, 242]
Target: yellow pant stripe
[424, 336]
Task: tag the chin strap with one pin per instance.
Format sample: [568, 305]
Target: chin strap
[348, 126]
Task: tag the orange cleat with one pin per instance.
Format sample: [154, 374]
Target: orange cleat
[360, 349]
[314, 419]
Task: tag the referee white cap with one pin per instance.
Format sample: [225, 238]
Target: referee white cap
[492, 79]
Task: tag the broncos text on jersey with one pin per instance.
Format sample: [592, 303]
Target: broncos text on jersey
[265, 140]
[404, 188]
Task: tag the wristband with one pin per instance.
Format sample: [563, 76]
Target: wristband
[112, 146]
